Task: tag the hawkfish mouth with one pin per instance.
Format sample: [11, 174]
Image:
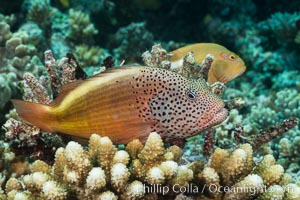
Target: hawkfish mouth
[240, 71]
[218, 117]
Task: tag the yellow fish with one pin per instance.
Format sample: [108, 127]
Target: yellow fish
[127, 103]
[225, 67]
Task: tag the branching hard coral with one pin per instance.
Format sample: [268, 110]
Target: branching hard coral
[40, 12]
[11, 166]
[153, 150]
[262, 116]
[250, 38]
[270, 62]
[39, 93]
[190, 68]
[78, 173]
[135, 190]
[236, 130]
[7, 86]
[134, 148]
[287, 79]
[246, 91]
[96, 179]
[60, 72]
[106, 152]
[287, 151]
[54, 190]
[89, 56]
[17, 54]
[16, 57]
[78, 164]
[18, 131]
[282, 25]
[36, 36]
[119, 176]
[40, 166]
[224, 132]
[23, 135]
[159, 57]
[132, 41]
[81, 28]
[288, 102]
[257, 180]
[5, 23]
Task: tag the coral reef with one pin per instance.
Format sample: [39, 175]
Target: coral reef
[288, 151]
[282, 25]
[47, 27]
[265, 34]
[23, 135]
[224, 133]
[91, 7]
[287, 79]
[40, 13]
[288, 102]
[90, 56]
[263, 116]
[159, 57]
[8, 87]
[150, 172]
[81, 28]
[17, 56]
[132, 41]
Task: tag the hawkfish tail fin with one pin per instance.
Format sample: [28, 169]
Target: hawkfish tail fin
[35, 114]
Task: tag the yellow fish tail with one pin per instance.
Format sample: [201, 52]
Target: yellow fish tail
[35, 114]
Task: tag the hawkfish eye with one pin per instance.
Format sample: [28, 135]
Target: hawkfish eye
[227, 56]
[232, 57]
[191, 96]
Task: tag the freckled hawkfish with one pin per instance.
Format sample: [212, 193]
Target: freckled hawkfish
[225, 67]
[126, 103]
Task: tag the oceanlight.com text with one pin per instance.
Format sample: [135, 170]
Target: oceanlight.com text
[212, 188]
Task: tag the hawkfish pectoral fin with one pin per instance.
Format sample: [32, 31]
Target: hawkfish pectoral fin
[124, 133]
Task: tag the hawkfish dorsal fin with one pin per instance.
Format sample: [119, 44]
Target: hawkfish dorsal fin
[66, 89]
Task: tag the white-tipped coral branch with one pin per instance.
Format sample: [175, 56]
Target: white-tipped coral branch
[78, 173]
